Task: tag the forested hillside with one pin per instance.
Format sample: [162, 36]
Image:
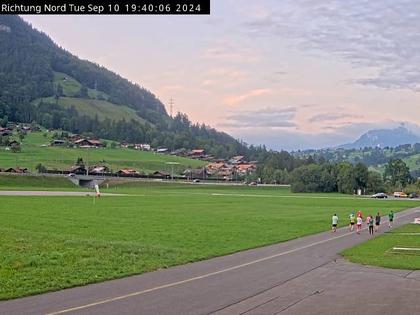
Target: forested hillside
[41, 82]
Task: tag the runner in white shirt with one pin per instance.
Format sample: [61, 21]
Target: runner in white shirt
[359, 223]
[334, 220]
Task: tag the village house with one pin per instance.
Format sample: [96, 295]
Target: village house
[215, 167]
[86, 143]
[14, 143]
[5, 132]
[200, 173]
[244, 169]
[143, 147]
[97, 170]
[162, 150]
[58, 143]
[237, 159]
[196, 154]
[16, 170]
[128, 172]
[77, 169]
[160, 174]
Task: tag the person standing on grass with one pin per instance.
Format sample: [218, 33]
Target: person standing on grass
[352, 218]
[359, 222]
[370, 225]
[391, 218]
[334, 220]
[377, 222]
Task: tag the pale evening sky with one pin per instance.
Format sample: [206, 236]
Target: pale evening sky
[289, 74]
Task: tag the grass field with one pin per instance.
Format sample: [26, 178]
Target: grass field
[18, 182]
[379, 251]
[50, 243]
[63, 158]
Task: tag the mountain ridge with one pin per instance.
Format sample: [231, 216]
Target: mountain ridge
[384, 138]
[31, 67]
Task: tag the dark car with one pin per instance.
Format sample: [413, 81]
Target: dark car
[380, 195]
[413, 195]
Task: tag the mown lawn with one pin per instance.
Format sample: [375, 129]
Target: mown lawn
[50, 243]
[379, 251]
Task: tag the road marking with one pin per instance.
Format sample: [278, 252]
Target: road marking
[173, 284]
[406, 248]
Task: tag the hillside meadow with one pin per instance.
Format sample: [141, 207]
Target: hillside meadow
[35, 149]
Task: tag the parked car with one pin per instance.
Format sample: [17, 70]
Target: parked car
[413, 195]
[379, 195]
[400, 194]
[71, 175]
[252, 184]
[196, 181]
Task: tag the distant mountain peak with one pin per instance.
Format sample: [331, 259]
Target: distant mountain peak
[384, 138]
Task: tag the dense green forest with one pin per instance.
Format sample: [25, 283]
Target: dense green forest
[30, 92]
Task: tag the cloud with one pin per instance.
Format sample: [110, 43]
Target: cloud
[233, 100]
[381, 36]
[228, 51]
[263, 118]
[332, 117]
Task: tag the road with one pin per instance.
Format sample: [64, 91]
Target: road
[301, 276]
[52, 193]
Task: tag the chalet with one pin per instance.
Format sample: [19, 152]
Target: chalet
[98, 170]
[197, 154]
[5, 132]
[14, 143]
[161, 174]
[214, 167]
[78, 169]
[180, 152]
[162, 150]
[142, 147]
[237, 159]
[86, 143]
[200, 173]
[127, 172]
[58, 143]
[127, 145]
[17, 170]
[244, 169]
[74, 138]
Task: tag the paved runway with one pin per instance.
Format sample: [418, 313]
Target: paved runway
[302, 276]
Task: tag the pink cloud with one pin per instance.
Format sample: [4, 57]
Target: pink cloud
[233, 100]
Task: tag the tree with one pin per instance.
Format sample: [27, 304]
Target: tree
[346, 179]
[15, 148]
[59, 92]
[80, 161]
[361, 175]
[41, 168]
[375, 183]
[397, 173]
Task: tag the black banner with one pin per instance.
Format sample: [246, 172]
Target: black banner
[105, 7]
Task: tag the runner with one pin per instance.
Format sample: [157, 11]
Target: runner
[360, 214]
[371, 225]
[368, 220]
[352, 218]
[377, 222]
[391, 218]
[359, 223]
[334, 222]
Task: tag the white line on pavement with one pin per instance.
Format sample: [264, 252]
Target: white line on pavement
[173, 284]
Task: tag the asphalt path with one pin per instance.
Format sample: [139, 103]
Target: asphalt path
[301, 276]
[52, 193]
